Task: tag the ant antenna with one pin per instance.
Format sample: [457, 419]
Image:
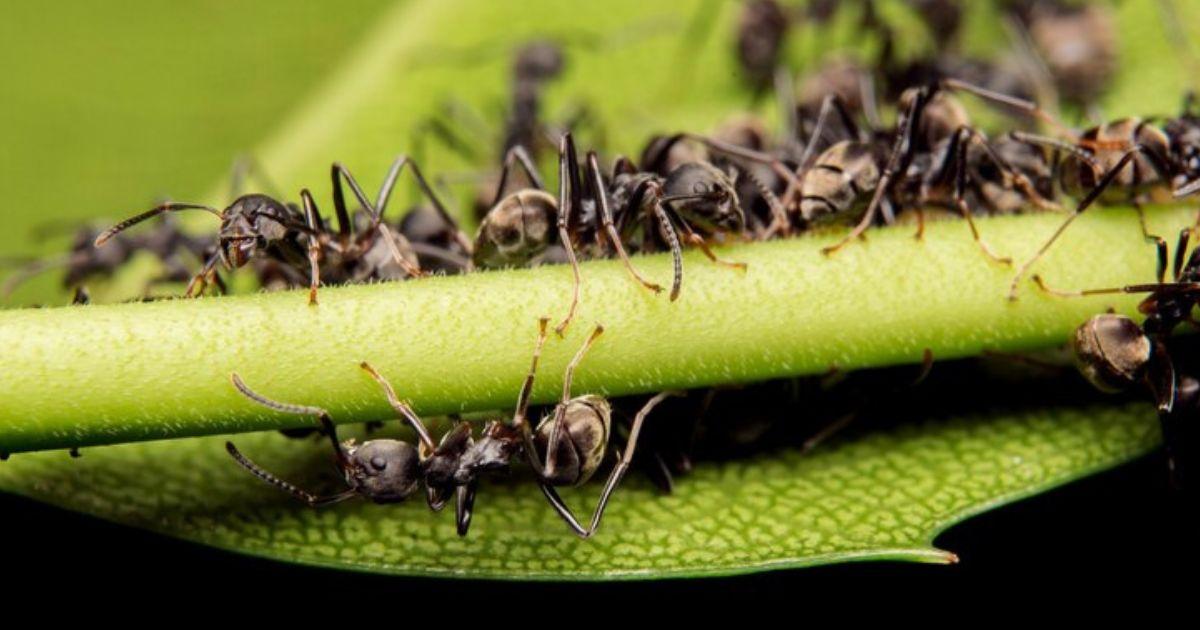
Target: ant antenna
[170, 206]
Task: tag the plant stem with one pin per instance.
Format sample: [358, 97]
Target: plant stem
[82, 376]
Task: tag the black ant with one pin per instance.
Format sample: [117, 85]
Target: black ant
[295, 239]
[934, 157]
[166, 242]
[690, 195]
[565, 449]
[1124, 161]
[1114, 353]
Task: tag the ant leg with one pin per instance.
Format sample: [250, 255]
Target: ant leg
[1020, 180]
[1072, 148]
[519, 156]
[402, 408]
[389, 183]
[1084, 204]
[566, 205]
[1181, 246]
[1161, 379]
[81, 297]
[831, 104]
[901, 155]
[436, 127]
[519, 414]
[1028, 107]
[601, 198]
[614, 477]
[464, 506]
[338, 172]
[199, 281]
[314, 247]
[960, 183]
[779, 217]
[1160, 245]
[170, 206]
[695, 239]
[32, 269]
[560, 411]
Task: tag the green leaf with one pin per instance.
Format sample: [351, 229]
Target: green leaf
[884, 495]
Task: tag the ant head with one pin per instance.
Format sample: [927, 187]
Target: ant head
[705, 197]
[384, 471]
[516, 230]
[1112, 352]
[582, 441]
[538, 61]
[251, 223]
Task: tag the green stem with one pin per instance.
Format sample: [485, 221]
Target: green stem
[92, 375]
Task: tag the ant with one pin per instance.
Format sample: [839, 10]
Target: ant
[1125, 160]
[689, 195]
[934, 155]
[1114, 353]
[565, 449]
[258, 226]
[165, 241]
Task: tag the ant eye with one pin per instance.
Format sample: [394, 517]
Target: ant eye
[699, 188]
[378, 463]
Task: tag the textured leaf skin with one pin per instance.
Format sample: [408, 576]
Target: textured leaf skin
[882, 495]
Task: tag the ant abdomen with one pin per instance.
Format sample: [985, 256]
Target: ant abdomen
[517, 230]
[1112, 352]
[582, 442]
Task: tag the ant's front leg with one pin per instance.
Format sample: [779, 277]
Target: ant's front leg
[697, 240]
[199, 281]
